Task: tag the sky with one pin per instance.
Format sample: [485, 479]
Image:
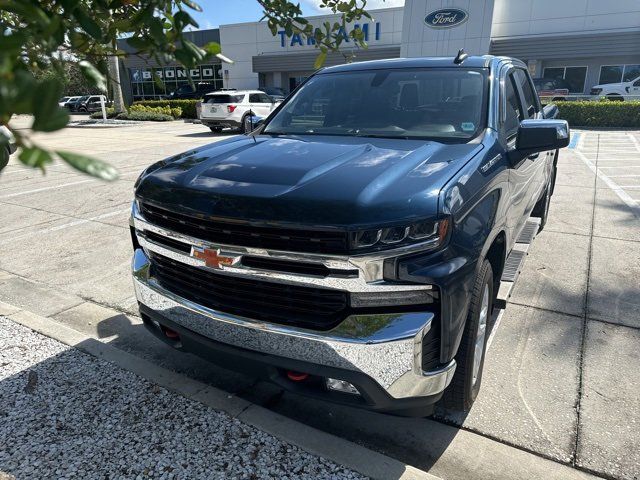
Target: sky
[221, 12]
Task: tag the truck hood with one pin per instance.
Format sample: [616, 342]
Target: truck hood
[310, 180]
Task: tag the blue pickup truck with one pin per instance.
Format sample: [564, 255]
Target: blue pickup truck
[357, 244]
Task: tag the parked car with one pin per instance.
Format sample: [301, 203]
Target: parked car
[67, 101]
[7, 146]
[277, 93]
[354, 246]
[74, 104]
[231, 109]
[187, 91]
[92, 103]
[554, 89]
[618, 91]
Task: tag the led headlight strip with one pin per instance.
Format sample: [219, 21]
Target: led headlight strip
[424, 231]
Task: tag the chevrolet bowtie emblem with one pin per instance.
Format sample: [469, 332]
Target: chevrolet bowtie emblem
[212, 257]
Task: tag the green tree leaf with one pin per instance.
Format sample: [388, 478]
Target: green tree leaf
[35, 157]
[88, 24]
[212, 48]
[93, 75]
[320, 59]
[48, 116]
[53, 121]
[92, 166]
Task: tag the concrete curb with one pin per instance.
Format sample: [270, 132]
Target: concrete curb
[351, 455]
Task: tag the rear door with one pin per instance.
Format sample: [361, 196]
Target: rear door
[260, 104]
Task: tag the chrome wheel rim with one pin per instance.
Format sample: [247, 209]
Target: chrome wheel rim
[481, 334]
[247, 125]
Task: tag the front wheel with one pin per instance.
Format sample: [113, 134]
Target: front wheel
[464, 387]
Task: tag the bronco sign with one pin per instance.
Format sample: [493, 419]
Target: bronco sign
[446, 18]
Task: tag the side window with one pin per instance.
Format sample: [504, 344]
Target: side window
[264, 98]
[513, 111]
[254, 98]
[531, 106]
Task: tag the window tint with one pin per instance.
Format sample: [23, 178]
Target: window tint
[254, 98]
[610, 74]
[264, 98]
[531, 105]
[222, 98]
[513, 113]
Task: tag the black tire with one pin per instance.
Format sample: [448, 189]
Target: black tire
[541, 209]
[464, 387]
[5, 153]
[216, 129]
[615, 97]
[243, 128]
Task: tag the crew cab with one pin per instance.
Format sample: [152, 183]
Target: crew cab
[232, 108]
[354, 246]
[618, 91]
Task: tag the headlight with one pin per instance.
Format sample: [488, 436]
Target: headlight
[596, 91]
[431, 233]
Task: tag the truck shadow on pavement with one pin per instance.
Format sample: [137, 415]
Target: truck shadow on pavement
[416, 441]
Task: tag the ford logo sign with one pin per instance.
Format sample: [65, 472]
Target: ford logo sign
[446, 18]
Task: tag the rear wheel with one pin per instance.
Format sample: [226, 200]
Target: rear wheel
[464, 387]
[614, 97]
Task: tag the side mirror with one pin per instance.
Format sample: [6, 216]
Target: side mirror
[536, 136]
[252, 122]
[550, 111]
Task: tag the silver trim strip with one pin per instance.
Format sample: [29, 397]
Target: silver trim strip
[387, 348]
[370, 266]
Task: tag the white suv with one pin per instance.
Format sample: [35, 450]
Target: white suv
[618, 91]
[230, 108]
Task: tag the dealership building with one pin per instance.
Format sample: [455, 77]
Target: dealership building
[585, 42]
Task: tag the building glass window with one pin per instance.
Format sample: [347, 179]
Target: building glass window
[155, 83]
[610, 74]
[553, 72]
[574, 76]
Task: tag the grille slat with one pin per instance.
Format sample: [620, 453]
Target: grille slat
[309, 307]
[229, 233]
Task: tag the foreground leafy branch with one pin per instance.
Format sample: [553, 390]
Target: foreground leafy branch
[38, 37]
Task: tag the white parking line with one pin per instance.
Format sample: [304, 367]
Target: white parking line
[87, 220]
[44, 189]
[624, 196]
[80, 221]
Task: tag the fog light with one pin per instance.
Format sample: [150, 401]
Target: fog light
[341, 386]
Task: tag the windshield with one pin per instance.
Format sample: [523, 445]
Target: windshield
[434, 103]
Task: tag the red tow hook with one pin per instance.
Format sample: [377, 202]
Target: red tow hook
[297, 376]
[172, 334]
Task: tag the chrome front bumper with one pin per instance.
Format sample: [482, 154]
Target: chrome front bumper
[387, 348]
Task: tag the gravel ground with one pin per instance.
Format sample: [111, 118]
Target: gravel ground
[65, 414]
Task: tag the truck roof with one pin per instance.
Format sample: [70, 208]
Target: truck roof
[483, 61]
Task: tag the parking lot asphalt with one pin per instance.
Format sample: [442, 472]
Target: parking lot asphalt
[562, 372]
